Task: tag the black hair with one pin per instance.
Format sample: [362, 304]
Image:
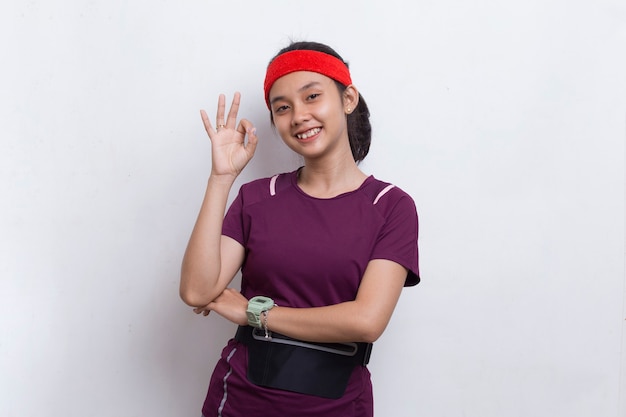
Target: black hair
[359, 127]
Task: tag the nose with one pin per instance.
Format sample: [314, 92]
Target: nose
[299, 114]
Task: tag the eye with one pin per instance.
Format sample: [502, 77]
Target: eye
[313, 96]
[281, 109]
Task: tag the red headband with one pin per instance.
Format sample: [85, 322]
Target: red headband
[305, 60]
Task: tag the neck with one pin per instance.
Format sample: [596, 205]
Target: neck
[327, 179]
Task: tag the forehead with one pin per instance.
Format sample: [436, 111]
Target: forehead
[298, 81]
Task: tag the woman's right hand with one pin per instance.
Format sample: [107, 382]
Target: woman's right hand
[229, 151]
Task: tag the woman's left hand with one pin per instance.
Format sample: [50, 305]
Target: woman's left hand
[230, 304]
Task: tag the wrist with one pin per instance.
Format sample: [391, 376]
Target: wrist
[265, 315]
[226, 180]
[257, 311]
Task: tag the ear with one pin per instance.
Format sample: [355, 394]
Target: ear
[350, 99]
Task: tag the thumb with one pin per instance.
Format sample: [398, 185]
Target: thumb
[252, 137]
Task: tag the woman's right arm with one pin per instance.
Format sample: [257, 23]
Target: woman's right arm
[212, 260]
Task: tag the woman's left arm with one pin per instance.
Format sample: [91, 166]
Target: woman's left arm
[361, 320]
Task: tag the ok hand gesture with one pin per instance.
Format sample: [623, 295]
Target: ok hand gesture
[229, 151]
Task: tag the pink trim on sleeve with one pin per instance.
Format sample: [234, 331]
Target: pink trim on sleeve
[383, 192]
[273, 185]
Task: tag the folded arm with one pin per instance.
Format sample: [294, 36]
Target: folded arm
[362, 320]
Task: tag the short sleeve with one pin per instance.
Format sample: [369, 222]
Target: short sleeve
[397, 240]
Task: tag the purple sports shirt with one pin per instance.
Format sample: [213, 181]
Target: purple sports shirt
[304, 251]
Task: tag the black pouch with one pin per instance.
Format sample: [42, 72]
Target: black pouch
[322, 370]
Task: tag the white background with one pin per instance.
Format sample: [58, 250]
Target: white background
[504, 120]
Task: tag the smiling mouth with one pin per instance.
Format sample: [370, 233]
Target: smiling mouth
[309, 133]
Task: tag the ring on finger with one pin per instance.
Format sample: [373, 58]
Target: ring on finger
[220, 126]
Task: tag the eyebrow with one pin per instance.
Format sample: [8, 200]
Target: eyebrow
[301, 89]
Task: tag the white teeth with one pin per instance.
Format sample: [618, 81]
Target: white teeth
[309, 133]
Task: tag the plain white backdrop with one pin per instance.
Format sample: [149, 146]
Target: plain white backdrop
[504, 120]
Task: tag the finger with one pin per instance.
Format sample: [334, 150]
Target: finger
[201, 310]
[221, 109]
[232, 113]
[207, 123]
[245, 126]
[250, 130]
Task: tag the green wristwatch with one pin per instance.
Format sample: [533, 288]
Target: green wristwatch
[256, 306]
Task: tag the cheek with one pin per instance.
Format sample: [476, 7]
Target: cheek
[283, 127]
[327, 110]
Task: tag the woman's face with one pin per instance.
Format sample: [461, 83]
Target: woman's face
[310, 114]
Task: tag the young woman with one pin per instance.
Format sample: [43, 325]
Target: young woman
[324, 251]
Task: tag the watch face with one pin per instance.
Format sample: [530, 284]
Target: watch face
[261, 300]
